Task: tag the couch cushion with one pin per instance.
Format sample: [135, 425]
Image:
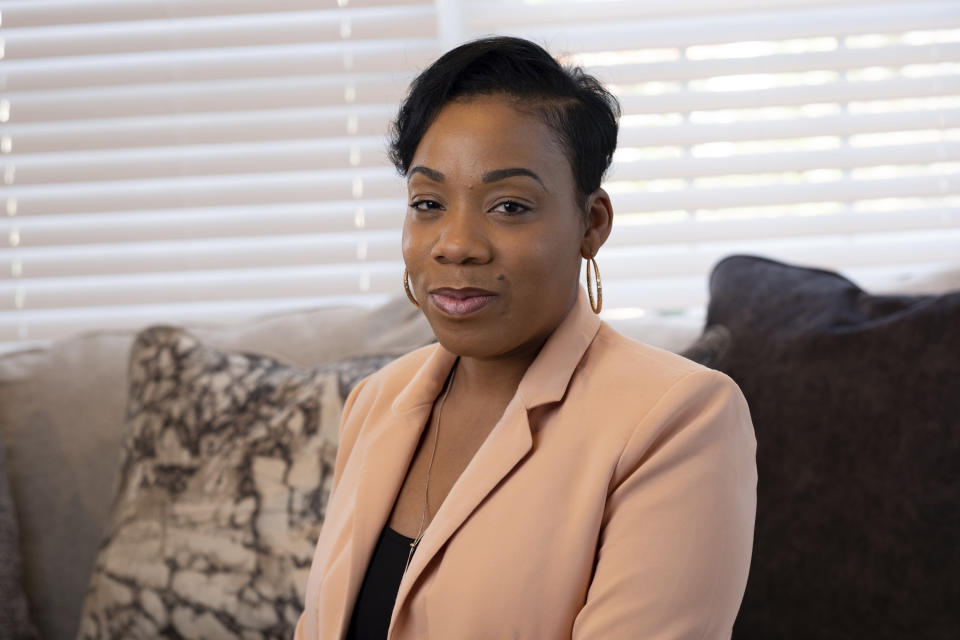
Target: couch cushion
[62, 418]
[14, 615]
[856, 406]
[225, 473]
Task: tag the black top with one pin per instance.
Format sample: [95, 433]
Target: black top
[378, 593]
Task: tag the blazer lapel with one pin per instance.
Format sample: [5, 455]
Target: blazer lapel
[504, 447]
[391, 446]
[386, 459]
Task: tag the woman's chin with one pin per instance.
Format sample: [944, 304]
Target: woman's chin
[467, 342]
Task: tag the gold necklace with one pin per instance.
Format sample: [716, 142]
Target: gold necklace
[426, 489]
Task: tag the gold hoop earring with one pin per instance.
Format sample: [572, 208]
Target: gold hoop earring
[406, 287]
[598, 304]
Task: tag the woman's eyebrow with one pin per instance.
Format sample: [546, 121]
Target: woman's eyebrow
[502, 174]
[489, 176]
[433, 174]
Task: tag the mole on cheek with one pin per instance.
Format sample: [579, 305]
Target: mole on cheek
[500, 277]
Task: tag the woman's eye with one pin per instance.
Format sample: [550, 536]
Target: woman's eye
[511, 208]
[424, 205]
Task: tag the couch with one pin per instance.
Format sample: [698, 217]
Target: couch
[170, 480]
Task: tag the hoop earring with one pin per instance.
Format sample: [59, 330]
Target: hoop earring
[406, 287]
[598, 304]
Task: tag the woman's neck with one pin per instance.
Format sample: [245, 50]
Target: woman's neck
[493, 379]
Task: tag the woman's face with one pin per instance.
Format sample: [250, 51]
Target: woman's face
[493, 236]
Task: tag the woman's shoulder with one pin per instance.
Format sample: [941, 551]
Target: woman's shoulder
[649, 396]
[619, 350]
[639, 370]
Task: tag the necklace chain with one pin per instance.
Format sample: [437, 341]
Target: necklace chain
[426, 488]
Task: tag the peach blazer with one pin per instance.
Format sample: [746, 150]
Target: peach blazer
[614, 499]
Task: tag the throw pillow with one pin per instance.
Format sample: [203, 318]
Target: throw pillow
[225, 474]
[62, 421]
[855, 399]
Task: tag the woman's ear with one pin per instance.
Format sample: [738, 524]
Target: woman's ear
[599, 218]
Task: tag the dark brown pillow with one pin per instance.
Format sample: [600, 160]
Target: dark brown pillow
[855, 400]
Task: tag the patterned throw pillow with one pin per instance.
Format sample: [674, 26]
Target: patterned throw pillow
[225, 476]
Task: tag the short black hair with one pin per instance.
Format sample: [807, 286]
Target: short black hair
[582, 113]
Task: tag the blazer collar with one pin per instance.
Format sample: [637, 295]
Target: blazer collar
[391, 445]
[547, 377]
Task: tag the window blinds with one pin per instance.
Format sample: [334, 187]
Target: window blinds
[173, 160]
[822, 132]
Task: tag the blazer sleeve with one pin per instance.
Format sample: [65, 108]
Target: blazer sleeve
[677, 532]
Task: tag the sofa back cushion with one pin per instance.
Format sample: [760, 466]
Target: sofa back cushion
[15, 619]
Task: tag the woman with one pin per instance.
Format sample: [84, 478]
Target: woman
[535, 474]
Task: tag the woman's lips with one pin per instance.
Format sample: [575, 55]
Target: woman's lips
[460, 306]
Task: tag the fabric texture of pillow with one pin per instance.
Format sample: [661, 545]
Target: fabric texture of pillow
[855, 400]
[225, 474]
[15, 623]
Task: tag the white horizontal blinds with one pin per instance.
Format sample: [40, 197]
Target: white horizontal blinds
[168, 160]
[178, 160]
[821, 132]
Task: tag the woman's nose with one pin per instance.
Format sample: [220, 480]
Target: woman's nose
[461, 238]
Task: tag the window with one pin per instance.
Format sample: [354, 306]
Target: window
[168, 160]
